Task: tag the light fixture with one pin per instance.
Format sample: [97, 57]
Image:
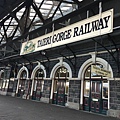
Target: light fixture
[43, 52]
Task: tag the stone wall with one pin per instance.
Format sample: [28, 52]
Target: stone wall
[46, 90]
[114, 98]
[74, 94]
[115, 95]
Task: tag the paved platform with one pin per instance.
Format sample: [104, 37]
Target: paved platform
[19, 109]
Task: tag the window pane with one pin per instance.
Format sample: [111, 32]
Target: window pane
[87, 73]
[105, 89]
[98, 87]
[55, 86]
[93, 86]
[86, 88]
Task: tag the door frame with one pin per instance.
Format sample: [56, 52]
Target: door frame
[52, 75]
[83, 68]
[19, 74]
[56, 94]
[39, 66]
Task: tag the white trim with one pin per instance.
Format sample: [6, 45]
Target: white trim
[64, 64]
[21, 70]
[74, 79]
[116, 79]
[84, 67]
[1, 71]
[39, 66]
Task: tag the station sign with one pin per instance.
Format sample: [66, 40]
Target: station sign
[91, 27]
[100, 71]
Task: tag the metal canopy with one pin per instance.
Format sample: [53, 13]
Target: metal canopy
[21, 20]
[18, 17]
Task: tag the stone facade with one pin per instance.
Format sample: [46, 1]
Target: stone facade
[74, 94]
[114, 98]
[46, 89]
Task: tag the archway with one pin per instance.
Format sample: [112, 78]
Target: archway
[38, 75]
[38, 84]
[24, 84]
[60, 75]
[60, 87]
[95, 87]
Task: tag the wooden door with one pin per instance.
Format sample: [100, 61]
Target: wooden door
[21, 88]
[38, 89]
[28, 85]
[96, 96]
[59, 96]
[61, 92]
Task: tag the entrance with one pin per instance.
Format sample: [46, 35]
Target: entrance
[95, 93]
[24, 85]
[60, 87]
[38, 85]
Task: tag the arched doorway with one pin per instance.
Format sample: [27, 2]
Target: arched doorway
[22, 81]
[24, 84]
[95, 91]
[60, 86]
[38, 84]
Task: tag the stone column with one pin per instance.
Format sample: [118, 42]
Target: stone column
[74, 94]
[46, 91]
[114, 98]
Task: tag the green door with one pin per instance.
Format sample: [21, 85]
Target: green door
[37, 92]
[21, 88]
[27, 88]
[96, 97]
[61, 93]
[38, 89]
[59, 96]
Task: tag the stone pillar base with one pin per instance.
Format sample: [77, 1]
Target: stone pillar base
[113, 113]
[50, 101]
[13, 94]
[9, 93]
[45, 100]
[3, 93]
[73, 105]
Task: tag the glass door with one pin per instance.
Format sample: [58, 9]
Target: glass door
[86, 97]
